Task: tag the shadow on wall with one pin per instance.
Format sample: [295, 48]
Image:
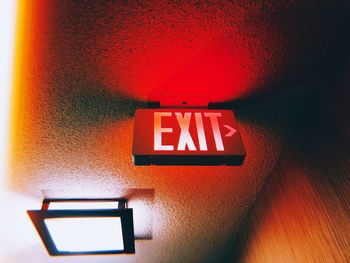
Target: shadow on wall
[302, 211]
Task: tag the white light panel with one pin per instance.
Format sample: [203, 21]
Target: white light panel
[86, 234]
[71, 205]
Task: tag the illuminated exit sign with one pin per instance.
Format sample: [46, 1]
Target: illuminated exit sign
[186, 137]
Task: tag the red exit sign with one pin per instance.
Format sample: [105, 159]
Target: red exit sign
[186, 137]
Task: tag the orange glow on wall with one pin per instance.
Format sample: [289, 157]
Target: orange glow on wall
[31, 58]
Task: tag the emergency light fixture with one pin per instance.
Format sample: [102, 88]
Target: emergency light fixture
[186, 132]
[85, 226]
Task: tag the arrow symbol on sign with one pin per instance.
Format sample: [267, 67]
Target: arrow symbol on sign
[231, 131]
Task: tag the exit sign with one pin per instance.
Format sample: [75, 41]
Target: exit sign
[186, 137]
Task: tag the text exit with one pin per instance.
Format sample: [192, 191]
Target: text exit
[186, 137]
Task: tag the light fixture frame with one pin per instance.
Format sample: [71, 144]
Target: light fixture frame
[125, 215]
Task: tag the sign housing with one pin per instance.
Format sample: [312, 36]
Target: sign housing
[177, 136]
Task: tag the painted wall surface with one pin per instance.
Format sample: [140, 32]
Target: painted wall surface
[82, 68]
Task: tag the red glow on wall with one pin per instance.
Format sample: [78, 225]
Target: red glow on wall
[146, 50]
[197, 54]
[152, 50]
[218, 73]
